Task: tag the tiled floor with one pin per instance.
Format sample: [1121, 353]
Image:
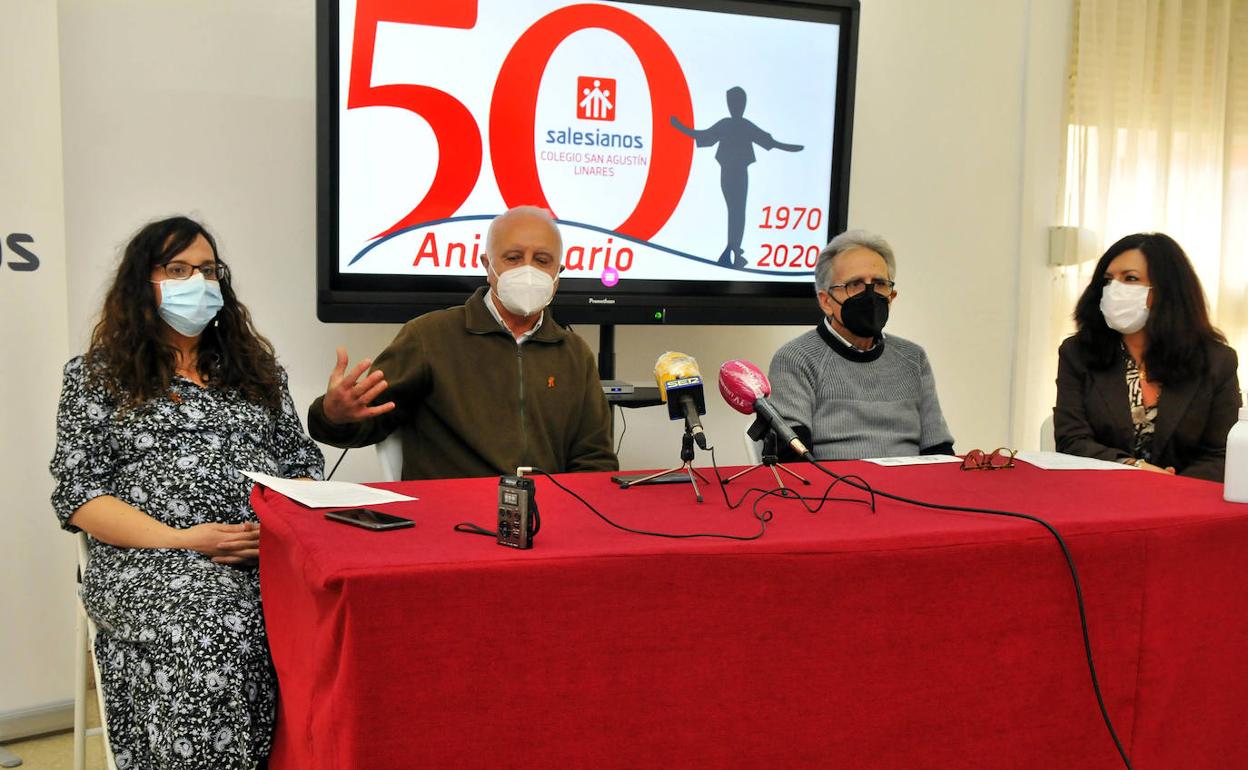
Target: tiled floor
[56, 751]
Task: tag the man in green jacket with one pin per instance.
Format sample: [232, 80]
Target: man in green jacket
[486, 387]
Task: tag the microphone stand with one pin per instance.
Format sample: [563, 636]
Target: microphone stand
[686, 465]
[771, 460]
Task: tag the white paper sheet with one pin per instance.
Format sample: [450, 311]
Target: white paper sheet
[326, 494]
[916, 460]
[1056, 461]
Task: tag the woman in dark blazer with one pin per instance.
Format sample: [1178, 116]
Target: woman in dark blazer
[1146, 380]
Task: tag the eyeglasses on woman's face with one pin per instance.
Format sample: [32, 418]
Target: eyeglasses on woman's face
[181, 271]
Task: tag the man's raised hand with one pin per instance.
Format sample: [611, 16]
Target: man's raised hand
[348, 397]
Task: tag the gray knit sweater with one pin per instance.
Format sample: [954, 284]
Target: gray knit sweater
[879, 403]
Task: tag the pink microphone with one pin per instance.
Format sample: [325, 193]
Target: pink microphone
[741, 383]
[744, 386]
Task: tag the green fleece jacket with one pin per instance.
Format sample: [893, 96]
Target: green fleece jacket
[469, 401]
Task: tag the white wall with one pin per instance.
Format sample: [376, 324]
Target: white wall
[36, 565]
[208, 108]
[1043, 312]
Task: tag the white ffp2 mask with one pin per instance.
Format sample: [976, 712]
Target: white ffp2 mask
[1125, 306]
[525, 290]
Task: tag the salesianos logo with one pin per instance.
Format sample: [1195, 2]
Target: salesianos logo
[595, 98]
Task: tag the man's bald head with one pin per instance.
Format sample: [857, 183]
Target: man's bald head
[506, 228]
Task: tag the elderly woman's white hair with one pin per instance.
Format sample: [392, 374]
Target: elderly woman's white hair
[852, 239]
[530, 211]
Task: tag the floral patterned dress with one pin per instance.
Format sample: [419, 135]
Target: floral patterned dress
[183, 656]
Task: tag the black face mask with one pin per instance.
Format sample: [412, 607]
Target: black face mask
[865, 314]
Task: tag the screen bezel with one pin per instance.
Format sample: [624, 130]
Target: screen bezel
[396, 299]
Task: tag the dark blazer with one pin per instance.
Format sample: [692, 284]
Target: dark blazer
[1093, 414]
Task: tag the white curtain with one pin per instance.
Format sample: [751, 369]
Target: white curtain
[1157, 140]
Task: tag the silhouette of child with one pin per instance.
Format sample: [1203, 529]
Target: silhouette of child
[736, 137]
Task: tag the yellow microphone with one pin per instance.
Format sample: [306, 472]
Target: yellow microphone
[680, 385]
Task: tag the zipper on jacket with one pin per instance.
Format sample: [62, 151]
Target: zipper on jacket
[524, 450]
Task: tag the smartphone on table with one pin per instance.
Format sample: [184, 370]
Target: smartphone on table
[369, 519]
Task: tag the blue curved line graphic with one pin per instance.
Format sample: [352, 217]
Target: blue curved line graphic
[595, 228]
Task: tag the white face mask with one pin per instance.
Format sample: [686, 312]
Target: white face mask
[525, 290]
[1125, 306]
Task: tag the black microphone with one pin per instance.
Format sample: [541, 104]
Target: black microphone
[681, 387]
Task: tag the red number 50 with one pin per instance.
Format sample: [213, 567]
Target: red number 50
[514, 104]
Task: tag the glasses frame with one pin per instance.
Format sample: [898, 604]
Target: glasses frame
[220, 271]
[977, 460]
[873, 283]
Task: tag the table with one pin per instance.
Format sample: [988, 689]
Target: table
[900, 638]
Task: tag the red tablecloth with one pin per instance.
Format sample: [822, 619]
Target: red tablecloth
[903, 638]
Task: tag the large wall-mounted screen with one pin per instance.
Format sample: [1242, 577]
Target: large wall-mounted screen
[696, 154]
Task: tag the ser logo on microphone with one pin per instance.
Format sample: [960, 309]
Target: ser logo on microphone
[671, 385]
[677, 374]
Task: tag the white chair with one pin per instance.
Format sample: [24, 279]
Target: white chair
[390, 455]
[753, 449]
[85, 631]
[1048, 440]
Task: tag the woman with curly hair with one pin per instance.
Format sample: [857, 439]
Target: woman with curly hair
[1146, 380]
[176, 395]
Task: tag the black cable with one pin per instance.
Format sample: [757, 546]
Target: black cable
[468, 528]
[790, 494]
[860, 483]
[762, 519]
[786, 493]
[335, 468]
[1070, 562]
[620, 441]
[535, 526]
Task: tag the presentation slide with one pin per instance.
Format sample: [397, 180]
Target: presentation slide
[671, 144]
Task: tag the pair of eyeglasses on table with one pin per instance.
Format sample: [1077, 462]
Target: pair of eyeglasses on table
[997, 460]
